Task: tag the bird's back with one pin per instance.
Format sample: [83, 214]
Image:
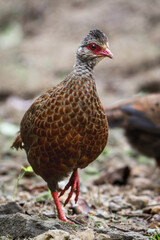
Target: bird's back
[142, 112]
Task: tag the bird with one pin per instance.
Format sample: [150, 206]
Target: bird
[140, 119]
[66, 127]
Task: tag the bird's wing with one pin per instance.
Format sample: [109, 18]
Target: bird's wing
[139, 119]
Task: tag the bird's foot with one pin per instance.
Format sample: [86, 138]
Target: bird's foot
[61, 215]
[64, 219]
[74, 184]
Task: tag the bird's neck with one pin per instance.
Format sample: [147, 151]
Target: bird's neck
[84, 67]
[82, 76]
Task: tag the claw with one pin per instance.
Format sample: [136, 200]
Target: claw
[74, 184]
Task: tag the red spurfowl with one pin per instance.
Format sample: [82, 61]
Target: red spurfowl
[140, 117]
[66, 127]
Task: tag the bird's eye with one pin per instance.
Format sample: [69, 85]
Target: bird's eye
[93, 47]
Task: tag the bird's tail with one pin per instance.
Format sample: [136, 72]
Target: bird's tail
[17, 143]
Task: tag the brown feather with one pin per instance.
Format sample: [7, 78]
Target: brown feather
[17, 143]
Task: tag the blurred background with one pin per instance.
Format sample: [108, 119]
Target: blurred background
[38, 41]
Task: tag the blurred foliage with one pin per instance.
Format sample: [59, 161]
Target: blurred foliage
[140, 159]
[11, 36]
[44, 196]
[155, 234]
[107, 152]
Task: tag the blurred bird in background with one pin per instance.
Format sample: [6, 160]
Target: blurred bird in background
[140, 119]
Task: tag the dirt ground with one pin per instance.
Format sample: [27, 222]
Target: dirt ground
[120, 192]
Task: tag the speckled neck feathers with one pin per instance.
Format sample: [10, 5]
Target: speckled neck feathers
[83, 69]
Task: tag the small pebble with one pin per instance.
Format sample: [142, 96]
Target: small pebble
[151, 230]
[53, 234]
[157, 217]
[142, 183]
[86, 235]
[117, 203]
[103, 237]
[155, 210]
[138, 201]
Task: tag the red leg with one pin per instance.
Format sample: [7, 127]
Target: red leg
[74, 184]
[61, 215]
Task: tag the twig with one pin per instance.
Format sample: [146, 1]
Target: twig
[141, 215]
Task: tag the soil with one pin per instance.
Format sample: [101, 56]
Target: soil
[120, 191]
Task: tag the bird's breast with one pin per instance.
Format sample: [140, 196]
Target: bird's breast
[66, 127]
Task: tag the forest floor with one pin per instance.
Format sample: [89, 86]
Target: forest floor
[120, 191]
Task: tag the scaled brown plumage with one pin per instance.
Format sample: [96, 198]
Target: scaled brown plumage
[140, 117]
[66, 127]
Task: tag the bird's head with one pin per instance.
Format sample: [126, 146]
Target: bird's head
[93, 48]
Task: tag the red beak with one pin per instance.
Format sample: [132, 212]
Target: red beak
[106, 53]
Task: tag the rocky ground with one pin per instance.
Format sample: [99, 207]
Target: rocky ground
[120, 192]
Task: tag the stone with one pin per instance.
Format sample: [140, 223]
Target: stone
[19, 225]
[103, 237]
[117, 203]
[155, 210]
[10, 208]
[53, 235]
[86, 235]
[139, 202]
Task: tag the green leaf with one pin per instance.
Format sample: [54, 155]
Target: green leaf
[28, 169]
